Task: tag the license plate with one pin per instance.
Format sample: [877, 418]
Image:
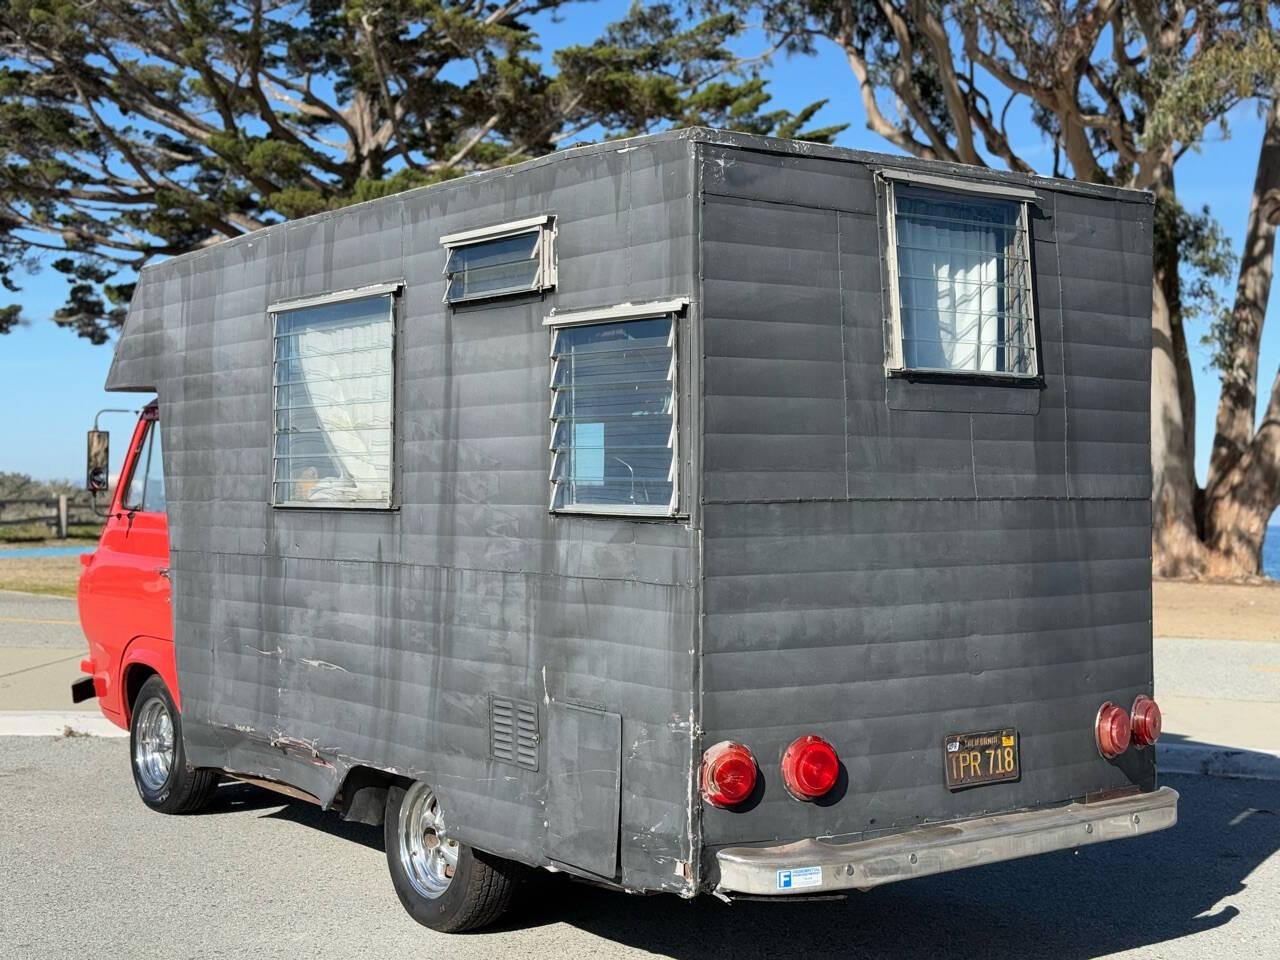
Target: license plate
[972, 759]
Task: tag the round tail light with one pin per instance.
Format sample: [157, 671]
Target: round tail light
[728, 774]
[1145, 720]
[810, 768]
[1113, 730]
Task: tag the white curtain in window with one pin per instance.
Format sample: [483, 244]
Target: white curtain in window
[334, 394]
[949, 285]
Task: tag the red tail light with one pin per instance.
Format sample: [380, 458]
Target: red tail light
[728, 774]
[1145, 720]
[810, 768]
[1113, 730]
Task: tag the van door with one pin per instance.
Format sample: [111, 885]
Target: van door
[124, 592]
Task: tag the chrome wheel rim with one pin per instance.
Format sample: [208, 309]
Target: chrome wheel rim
[427, 855]
[153, 744]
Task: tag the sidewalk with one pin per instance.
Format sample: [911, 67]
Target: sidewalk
[41, 646]
[1221, 698]
[1221, 704]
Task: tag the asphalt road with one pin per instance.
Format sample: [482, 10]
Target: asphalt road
[28, 620]
[89, 872]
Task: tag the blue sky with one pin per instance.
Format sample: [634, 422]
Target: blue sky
[51, 381]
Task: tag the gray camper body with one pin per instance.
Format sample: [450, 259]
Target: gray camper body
[875, 558]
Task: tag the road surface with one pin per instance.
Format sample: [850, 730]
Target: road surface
[90, 873]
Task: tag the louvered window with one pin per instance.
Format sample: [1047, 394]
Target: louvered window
[500, 261]
[614, 425]
[333, 389]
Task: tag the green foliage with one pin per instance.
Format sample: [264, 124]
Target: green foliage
[136, 130]
[1242, 65]
[1198, 244]
[20, 486]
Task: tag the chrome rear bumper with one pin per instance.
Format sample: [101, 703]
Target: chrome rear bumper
[818, 866]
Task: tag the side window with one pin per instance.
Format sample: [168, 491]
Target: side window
[614, 428]
[146, 481]
[960, 283]
[500, 261]
[333, 403]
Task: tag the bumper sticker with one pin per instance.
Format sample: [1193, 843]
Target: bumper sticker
[798, 877]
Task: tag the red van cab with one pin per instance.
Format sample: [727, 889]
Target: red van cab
[124, 587]
[124, 602]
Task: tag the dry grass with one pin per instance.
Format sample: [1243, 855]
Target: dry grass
[1219, 611]
[37, 534]
[55, 576]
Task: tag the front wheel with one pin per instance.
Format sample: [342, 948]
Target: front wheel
[160, 770]
[443, 884]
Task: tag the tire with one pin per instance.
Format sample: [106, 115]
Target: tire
[158, 757]
[480, 887]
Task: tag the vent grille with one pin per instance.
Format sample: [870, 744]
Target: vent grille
[513, 731]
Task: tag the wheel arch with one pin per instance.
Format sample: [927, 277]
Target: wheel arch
[144, 657]
[363, 795]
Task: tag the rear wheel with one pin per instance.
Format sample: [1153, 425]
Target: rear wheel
[443, 884]
[160, 770]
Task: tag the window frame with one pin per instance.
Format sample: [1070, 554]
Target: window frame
[544, 226]
[142, 458]
[895, 361]
[392, 291]
[673, 308]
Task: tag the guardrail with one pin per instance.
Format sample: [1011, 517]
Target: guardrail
[56, 512]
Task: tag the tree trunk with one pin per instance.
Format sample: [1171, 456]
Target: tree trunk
[1247, 496]
[1176, 549]
[1243, 490]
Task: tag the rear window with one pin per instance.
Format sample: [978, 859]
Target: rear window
[961, 283]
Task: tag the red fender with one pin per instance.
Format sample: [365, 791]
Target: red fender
[152, 652]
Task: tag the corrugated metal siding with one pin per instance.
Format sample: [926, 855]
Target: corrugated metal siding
[310, 641]
[970, 567]
[884, 562]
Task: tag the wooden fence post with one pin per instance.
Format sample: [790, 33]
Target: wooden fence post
[62, 516]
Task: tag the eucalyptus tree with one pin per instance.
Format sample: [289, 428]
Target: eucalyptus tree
[1122, 90]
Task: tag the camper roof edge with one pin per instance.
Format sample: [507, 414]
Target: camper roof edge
[722, 138]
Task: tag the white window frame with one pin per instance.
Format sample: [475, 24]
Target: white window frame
[544, 226]
[673, 308]
[392, 292]
[895, 362]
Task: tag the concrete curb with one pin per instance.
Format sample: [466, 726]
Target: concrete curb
[1212, 760]
[57, 723]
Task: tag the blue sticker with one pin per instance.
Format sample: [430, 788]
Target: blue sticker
[799, 877]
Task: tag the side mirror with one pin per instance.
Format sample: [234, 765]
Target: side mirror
[97, 471]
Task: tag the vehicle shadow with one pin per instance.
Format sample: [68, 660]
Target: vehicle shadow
[1094, 902]
[235, 797]
[1215, 759]
[1071, 905]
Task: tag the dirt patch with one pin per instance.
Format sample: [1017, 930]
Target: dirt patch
[1219, 611]
[55, 576]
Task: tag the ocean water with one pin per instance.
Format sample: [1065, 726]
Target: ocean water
[21, 552]
[1271, 553]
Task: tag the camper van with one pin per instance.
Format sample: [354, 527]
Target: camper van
[697, 513]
